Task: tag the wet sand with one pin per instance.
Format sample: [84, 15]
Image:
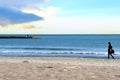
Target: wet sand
[47, 68]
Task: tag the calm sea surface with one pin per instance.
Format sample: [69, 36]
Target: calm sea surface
[80, 45]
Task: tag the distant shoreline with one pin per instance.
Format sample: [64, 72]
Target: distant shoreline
[27, 36]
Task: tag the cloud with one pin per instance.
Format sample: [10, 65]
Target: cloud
[50, 10]
[16, 12]
[24, 28]
[30, 25]
[30, 6]
[12, 16]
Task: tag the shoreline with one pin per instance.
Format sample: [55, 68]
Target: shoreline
[19, 37]
[117, 57]
[58, 68]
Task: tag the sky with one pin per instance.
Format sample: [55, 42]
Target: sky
[59, 17]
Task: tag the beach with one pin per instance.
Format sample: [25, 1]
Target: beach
[58, 68]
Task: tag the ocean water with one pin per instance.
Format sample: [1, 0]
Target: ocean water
[72, 45]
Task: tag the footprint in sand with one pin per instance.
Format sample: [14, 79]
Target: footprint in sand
[25, 61]
[117, 75]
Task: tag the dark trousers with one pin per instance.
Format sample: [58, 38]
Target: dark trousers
[111, 56]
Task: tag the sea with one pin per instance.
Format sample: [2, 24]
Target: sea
[60, 45]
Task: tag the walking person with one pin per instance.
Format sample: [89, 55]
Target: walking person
[110, 50]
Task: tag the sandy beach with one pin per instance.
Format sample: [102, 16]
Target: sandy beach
[47, 68]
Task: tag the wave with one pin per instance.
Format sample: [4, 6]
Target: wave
[33, 50]
[22, 53]
[48, 52]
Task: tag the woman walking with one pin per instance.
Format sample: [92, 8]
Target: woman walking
[110, 50]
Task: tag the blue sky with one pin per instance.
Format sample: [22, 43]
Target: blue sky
[86, 7]
[60, 17]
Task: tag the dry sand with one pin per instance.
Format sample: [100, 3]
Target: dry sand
[46, 68]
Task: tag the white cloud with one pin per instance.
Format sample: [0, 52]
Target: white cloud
[24, 28]
[44, 12]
